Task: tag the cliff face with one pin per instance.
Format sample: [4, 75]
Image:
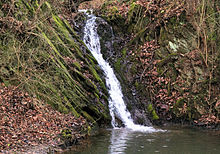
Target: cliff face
[42, 54]
[168, 54]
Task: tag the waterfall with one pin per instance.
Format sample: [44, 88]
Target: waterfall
[117, 105]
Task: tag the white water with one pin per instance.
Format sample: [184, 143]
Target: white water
[117, 106]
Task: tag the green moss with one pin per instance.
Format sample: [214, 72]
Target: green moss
[136, 84]
[117, 65]
[71, 108]
[131, 11]
[88, 117]
[77, 65]
[155, 116]
[124, 52]
[89, 130]
[114, 9]
[66, 134]
[97, 96]
[152, 112]
[150, 108]
[62, 108]
[95, 74]
[97, 77]
[104, 88]
[134, 68]
[95, 110]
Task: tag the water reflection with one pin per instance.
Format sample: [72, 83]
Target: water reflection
[125, 141]
[174, 141]
[119, 139]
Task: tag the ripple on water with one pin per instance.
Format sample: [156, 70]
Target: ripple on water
[125, 141]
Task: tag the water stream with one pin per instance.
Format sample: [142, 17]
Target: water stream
[136, 138]
[117, 105]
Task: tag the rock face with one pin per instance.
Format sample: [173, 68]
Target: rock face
[110, 47]
[107, 39]
[168, 62]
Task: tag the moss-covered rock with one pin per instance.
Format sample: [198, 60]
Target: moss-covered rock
[50, 61]
[152, 112]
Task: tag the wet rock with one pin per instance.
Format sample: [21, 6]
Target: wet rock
[106, 35]
[140, 117]
[111, 50]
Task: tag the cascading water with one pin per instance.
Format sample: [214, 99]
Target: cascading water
[117, 106]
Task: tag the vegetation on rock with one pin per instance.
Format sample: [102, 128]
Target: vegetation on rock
[42, 55]
[174, 48]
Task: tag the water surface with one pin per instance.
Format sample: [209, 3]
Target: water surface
[173, 141]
